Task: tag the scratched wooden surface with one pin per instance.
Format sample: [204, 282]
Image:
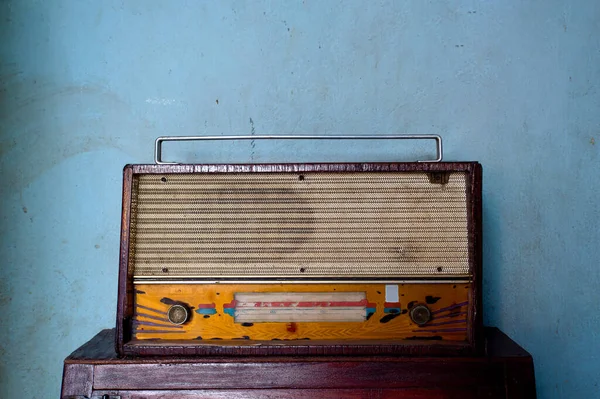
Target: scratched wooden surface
[375, 393]
[505, 371]
[447, 302]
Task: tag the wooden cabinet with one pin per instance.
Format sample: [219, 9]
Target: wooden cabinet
[95, 371]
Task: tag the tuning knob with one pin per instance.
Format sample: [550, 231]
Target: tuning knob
[420, 314]
[178, 314]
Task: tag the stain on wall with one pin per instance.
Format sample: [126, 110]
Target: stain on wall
[86, 87]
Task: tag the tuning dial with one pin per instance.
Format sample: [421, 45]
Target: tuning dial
[178, 314]
[420, 314]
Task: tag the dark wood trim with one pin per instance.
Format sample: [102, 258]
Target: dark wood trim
[298, 375]
[474, 225]
[476, 240]
[519, 380]
[235, 348]
[306, 167]
[100, 350]
[125, 296]
[474, 343]
[506, 371]
[77, 380]
[374, 393]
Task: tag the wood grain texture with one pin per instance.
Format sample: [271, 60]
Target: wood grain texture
[298, 375]
[381, 393]
[308, 167]
[125, 294]
[475, 223]
[77, 379]
[448, 304]
[100, 350]
[505, 372]
[240, 348]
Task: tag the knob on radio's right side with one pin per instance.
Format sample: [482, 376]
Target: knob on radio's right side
[420, 314]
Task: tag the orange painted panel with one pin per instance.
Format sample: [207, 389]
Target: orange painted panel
[214, 306]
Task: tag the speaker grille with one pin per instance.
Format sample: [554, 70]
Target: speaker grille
[298, 225]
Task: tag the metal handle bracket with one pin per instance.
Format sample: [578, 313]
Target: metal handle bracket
[438, 139]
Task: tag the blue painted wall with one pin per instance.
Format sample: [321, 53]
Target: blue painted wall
[86, 86]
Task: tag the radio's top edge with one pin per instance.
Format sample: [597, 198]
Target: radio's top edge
[331, 167]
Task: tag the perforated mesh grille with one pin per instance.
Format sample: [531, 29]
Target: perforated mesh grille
[291, 225]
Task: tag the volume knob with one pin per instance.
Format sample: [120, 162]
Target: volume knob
[420, 314]
[178, 314]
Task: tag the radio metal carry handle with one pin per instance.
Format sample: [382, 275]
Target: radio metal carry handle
[158, 143]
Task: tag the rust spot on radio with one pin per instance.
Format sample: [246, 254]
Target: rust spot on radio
[291, 327]
[432, 299]
[247, 324]
[198, 338]
[140, 292]
[389, 317]
[169, 301]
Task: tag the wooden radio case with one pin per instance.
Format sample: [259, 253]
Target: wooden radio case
[300, 259]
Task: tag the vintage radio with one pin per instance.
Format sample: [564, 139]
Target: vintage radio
[276, 259]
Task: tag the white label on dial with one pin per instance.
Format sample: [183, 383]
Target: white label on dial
[391, 293]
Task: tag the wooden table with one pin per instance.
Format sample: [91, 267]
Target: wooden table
[95, 371]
